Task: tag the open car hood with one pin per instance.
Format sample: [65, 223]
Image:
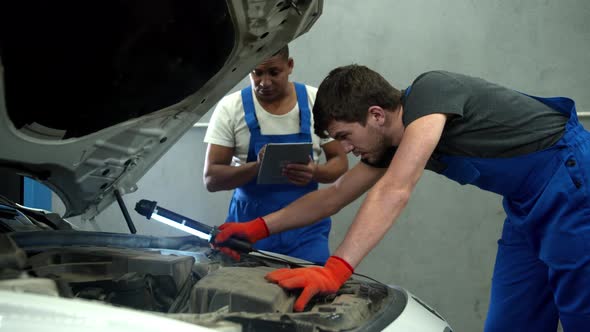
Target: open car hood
[93, 94]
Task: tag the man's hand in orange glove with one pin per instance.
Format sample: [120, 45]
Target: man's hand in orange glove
[313, 280]
[250, 231]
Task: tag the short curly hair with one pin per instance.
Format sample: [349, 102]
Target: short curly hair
[283, 52]
[346, 95]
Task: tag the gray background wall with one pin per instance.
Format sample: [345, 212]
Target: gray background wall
[443, 246]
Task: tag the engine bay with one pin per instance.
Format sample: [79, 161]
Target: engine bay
[181, 279]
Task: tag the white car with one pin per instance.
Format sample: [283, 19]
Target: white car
[92, 94]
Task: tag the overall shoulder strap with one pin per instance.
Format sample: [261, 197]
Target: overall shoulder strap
[304, 111]
[250, 110]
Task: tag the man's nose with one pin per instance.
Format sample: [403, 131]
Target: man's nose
[347, 146]
[265, 80]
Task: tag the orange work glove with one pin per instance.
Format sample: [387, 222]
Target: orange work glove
[313, 280]
[250, 231]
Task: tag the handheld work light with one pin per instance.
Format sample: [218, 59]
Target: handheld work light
[151, 210]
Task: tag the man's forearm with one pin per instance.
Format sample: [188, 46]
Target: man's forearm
[225, 177]
[375, 217]
[324, 202]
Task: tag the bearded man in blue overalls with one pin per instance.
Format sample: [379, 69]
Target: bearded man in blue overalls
[531, 150]
[271, 110]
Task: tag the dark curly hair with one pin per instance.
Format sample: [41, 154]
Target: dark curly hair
[346, 95]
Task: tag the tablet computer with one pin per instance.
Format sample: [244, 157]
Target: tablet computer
[276, 156]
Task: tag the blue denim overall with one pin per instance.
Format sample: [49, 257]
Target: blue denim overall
[542, 270]
[255, 200]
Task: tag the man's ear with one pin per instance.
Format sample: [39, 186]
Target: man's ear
[376, 114]
[291, 64]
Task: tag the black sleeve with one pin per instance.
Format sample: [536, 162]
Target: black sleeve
[434, 92]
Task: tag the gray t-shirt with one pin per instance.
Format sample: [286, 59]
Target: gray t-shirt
[487, 120]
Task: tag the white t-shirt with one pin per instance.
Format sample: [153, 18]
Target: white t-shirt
[228, 127]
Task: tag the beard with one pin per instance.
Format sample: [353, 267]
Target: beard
[380, 150]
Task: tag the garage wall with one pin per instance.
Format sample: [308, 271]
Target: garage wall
[443, 246]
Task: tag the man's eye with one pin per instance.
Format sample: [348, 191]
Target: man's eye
[257, 73]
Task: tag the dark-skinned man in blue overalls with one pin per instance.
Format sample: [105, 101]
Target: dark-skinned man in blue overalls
[531, 150]
[271, 110]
